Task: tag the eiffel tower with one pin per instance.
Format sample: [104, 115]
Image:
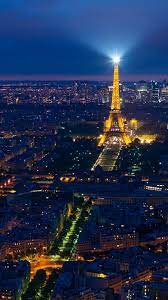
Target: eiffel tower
[114, 125]
[114, 135]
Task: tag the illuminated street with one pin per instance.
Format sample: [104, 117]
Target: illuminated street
[44, 262]
[69, 237]
[57, 260]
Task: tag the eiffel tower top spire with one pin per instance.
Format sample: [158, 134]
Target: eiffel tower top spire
[115, 104]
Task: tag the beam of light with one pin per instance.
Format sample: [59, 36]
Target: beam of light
[116, 59]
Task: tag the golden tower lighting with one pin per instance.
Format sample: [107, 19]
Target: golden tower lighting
[115, 122]
[115, 104]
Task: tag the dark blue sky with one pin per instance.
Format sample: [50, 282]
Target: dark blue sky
[76, 38]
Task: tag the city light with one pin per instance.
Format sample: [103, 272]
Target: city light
[116, 59]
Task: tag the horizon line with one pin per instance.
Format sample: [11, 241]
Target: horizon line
[44, 77]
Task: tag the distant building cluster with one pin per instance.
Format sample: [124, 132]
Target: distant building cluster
[80, 92]
[53, 92]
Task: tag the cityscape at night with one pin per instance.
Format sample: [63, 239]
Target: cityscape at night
[83, 150]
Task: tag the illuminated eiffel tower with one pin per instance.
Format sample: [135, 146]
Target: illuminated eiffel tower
[114, 125]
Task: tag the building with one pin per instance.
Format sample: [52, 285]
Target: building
[142, 91]
[155, 93]
[164, 94]
[145, 290]
[106, 240]
[84, 281]
[40, 216]
[14, 279]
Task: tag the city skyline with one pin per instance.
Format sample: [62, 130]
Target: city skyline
[43, 39]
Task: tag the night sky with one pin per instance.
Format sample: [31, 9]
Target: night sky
[64, 39]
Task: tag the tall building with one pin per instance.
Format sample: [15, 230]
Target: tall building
[154, 92]
[142, 91]
[164, 94]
